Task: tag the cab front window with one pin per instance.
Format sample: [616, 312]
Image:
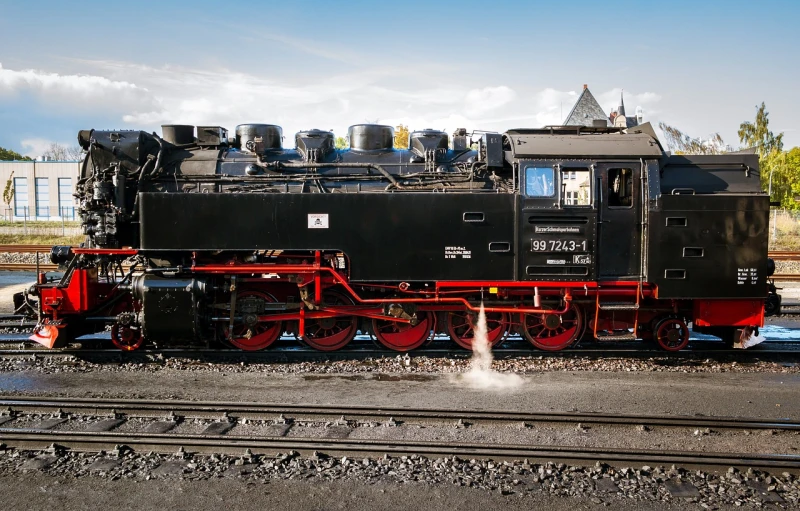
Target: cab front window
[539, 181]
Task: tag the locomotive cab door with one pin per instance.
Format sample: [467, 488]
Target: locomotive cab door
[619, 228]
[557, 222]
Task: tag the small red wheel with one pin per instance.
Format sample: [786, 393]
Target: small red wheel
[329, 334]
[461, 327]
[403, 336]
[672, 334]
[126, 337]
[249, 334]
[553, 332]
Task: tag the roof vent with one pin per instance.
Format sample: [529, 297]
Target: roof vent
[178, 134]
[314, 145]
[371, 137]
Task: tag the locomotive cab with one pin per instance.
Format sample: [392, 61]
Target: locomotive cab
[576, 213]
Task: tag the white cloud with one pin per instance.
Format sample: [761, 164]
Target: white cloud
[649, 101]
[71, 90]
[35, 147]
[479, 101]
[143, 97]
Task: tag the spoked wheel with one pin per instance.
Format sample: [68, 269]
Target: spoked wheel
[461, 326]
[126, 337]
[553, 332]
[672, 334]
[403, 336]
[248, 333]
[328, 334]
[126, 333]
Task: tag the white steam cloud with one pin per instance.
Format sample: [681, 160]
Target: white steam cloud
[480, 374]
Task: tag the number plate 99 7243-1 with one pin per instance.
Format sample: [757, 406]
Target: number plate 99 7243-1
[551, 245]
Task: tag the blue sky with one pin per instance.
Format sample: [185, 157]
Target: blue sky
[702, 67]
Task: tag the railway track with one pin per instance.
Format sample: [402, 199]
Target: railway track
[316, 412]
[34, 423]
[27, 267]
[785, 255]
[25, 249]
[287, 350]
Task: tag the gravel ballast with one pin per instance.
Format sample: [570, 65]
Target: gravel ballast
[403, 364]
[599, 484]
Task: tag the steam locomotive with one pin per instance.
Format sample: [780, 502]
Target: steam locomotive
[565, 233]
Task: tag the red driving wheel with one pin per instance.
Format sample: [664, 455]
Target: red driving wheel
[672, 334]
[126, 337]
[403, 336]
[461, 327]
[329, 334]
[549, 331]
[250, 334]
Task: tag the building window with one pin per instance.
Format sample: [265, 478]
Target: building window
[539, 182]
[620, 188]
[577, 187]
[20, 196]
[42, 197]
[66, 206]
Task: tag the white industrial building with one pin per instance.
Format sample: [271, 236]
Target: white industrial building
[42, 190]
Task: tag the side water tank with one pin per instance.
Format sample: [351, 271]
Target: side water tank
[257, 138]
[371, 137]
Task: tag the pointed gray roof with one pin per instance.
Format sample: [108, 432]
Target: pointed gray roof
[630, 121]
[586, 111]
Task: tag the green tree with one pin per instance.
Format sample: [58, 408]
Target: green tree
[341, 143]
[784, 167]
[9, 155]
[757, 134]
[401, 137]
[680, 143]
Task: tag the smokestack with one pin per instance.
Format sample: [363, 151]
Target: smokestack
[585, 86]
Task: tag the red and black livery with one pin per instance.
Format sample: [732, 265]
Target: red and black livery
[563, 233]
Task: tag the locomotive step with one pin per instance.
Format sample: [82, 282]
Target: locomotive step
[616, 337]
[619, 306]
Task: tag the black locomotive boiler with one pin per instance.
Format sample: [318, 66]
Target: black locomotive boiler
[563, 233]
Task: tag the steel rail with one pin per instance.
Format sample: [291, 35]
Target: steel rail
[211, 409]
[27, 267]
[232, 444]
[784, 255]
[786, 277]
[25, 249]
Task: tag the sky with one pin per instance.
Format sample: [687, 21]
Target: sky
[702, 66]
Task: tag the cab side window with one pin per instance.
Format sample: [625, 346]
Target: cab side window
[576, 184]
[539, 181]
[620, 188]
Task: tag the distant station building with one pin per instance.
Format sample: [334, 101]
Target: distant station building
[588, 112]
[42, 190]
